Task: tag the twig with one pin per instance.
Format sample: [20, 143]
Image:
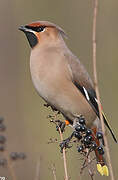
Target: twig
[64, 157]
[86, 165]
[54, 171]
[89, 165]
[10, 166]
[37, 171]
[97, 89]
[64, 153]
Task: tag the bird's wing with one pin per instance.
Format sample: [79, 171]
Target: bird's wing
[83, 82]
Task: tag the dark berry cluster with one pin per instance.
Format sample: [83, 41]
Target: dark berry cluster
[87, 137]
[83, 134]
[3, 140]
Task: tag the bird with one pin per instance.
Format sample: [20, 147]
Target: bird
[61, 79]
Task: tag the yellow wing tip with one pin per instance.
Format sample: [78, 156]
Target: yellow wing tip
[103, 170]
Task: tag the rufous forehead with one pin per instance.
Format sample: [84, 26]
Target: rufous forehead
[35, 24]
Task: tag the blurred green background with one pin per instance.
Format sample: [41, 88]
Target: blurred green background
[28, 129]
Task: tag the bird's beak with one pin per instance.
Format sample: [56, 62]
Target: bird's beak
[25, 29]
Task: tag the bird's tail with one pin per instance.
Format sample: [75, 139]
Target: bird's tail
[108, 126]
[101, 162]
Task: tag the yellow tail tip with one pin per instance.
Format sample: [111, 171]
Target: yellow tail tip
[103, 170]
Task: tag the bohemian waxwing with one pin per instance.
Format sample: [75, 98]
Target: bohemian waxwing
[60, 78]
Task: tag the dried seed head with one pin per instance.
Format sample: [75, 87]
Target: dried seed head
[14, 155]
[2, 139]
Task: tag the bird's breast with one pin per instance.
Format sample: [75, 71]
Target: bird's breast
[48, 72]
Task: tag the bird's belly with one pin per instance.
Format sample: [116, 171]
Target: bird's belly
[42, 88]
[67, 99]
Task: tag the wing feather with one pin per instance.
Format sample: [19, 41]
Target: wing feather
[92, 100]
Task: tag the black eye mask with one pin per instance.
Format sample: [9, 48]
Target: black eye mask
[37, 28]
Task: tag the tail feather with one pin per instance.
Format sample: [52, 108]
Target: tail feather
[101, 162]
[108, 126]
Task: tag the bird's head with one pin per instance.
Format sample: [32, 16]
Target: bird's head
[42, 32]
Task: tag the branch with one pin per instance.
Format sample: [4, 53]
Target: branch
[64, 157]
[54, 171]
[37, 171]
[96, 87]
[10, 166]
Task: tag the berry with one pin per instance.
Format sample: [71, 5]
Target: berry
[100, 150]
[90, 138]
[99, 135]
[77, 135]
[94, 145]
[80, 128]
[87, 141]
[82, 120]
[2, 139]
[88, 132]
[83, 128]
[1, 119]
[80, 148]
[14, 155]
[2, 127]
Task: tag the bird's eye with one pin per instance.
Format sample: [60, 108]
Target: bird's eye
[41, 28]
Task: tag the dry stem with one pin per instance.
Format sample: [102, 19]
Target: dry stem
[10, 166]
[64, 153]
[54, 171]
[37, 171]
[97, 89]
[89, 165]
[64, 157]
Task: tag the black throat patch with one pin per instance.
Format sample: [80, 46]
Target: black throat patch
[31, 38]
